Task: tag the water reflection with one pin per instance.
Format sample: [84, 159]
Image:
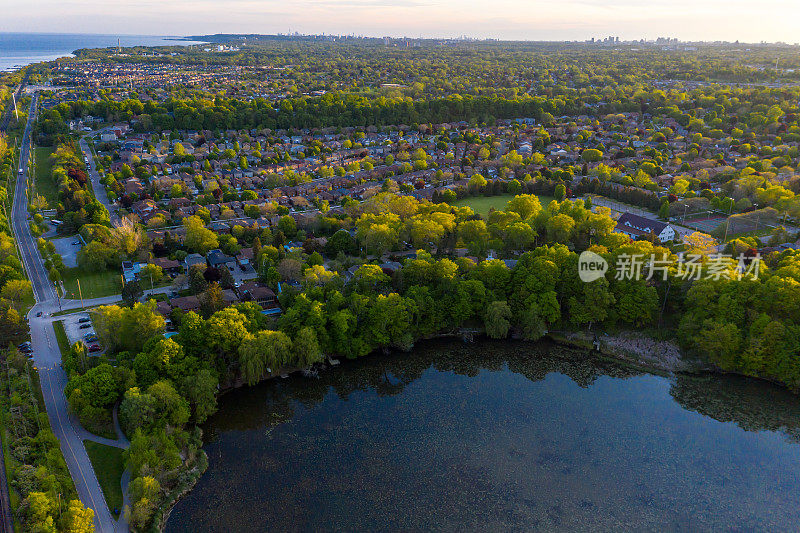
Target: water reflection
[495, 436]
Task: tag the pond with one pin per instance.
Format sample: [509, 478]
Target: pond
[498, 436]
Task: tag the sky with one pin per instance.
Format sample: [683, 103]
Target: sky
[709, 20]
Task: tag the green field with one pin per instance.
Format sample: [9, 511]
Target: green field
[93, 284]
[44, 179]
[108, 466]
[482, 204]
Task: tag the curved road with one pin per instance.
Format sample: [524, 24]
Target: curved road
[47, 356]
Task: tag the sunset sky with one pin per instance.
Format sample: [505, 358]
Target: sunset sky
[751, 21]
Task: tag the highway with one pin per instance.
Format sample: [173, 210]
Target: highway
[47, 357]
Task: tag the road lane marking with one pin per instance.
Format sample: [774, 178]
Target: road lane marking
[66, 441]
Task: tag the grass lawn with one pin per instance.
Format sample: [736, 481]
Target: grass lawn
[44, 179]
[78, 310]
[61, 337]
[108, 466]
[482, 204]
[93, 284]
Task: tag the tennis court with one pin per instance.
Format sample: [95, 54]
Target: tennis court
[704, 224]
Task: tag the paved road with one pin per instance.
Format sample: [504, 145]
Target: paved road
[99, 188]
[47, 356]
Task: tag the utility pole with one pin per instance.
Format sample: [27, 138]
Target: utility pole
[80, 293]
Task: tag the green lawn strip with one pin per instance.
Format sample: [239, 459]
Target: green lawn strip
[61, 337]
[79, 310]
[108, 467]
[482, 204]
[45, 185]
[93, 284]
[37, 388]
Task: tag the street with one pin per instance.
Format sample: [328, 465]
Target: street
[46, 354]
[98, 188]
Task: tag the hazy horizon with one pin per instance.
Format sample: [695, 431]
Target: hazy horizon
[571, 20]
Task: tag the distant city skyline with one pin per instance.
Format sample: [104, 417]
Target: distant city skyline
[707, 20]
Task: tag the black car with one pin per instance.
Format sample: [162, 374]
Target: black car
[84, 320]
[85, 326]
[39, 314]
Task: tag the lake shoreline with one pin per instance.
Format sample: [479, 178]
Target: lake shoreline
[576, 357]
[667, 360]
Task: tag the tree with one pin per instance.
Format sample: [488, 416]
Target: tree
[306, 348]
[17, 290]
[266, 350]
[96, 257]
[77, 518]
[127, 328]
[474, 235]
[476, 183]
[98, 386]
[39, 508]
[497, 319]
[154, 272]
[144, 493]
[591, 155]
[593, 305]
[288, 226]
[137, 410]
[199, 238]
[201, 391]
[131, 292]
[170, 407]
[663, 212]
[197, 281]
[212, 300]
[525, 205]
[560, 228]
[560, 192]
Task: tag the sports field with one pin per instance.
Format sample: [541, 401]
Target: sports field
[482, 204]
[704, 224]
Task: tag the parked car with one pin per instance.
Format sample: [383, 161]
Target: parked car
[90, 334]
[84, 320]
[75, 243]
[26, 349]
[94, 348]
[24, 344]
[85, 326]
[39, 314]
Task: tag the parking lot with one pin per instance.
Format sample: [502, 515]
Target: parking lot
[67, 250]
[77, 330]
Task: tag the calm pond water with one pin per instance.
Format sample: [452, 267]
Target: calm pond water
[498, 436]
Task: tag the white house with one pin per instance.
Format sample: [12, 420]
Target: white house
[635, 226]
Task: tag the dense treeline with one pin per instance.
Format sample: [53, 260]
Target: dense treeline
[43, 494]
[15, 289]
